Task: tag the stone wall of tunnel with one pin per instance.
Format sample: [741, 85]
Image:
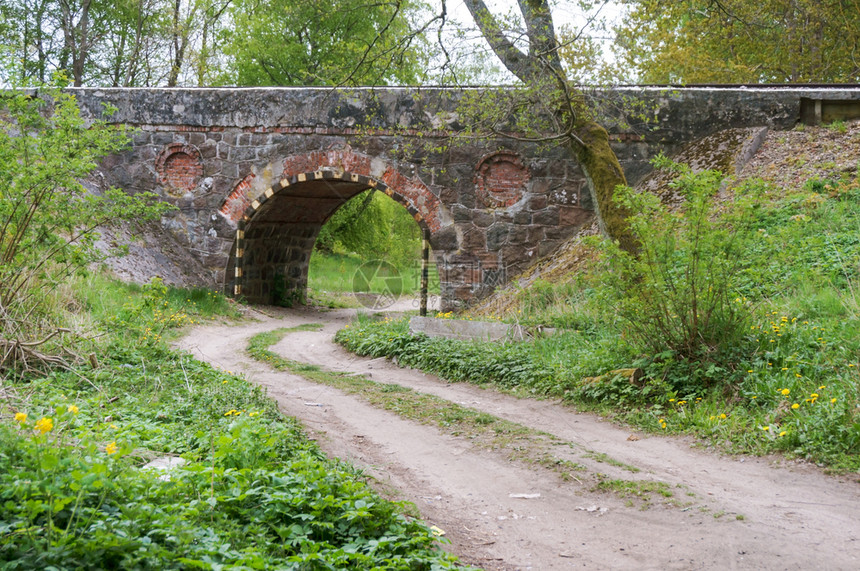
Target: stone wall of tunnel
[276, 261]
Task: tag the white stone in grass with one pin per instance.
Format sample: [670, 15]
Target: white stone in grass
[165, 464]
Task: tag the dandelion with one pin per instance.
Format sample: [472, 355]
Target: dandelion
[795, 406]
[21, 417]
[671, 400]
[833, 401]
[814, 395]
[783, 433]
[785, 392]
[113, 426]
[73, 409]
[723, 416]
[822, 387]
[111, 448]
[765, 428]
[663, 423]
[45, 425]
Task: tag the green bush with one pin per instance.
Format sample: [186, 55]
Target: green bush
[48, 219]
[678, 296]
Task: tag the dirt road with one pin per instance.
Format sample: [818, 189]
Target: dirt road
[725, 512]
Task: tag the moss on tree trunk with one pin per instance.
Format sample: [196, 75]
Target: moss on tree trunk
[604, 174]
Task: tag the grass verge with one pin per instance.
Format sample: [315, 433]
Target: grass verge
[787, 378]
[517, 442]
[252, 492]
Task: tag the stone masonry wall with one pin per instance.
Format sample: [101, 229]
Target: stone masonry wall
[492, 208]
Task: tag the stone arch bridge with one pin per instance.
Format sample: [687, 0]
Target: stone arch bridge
[254, 173]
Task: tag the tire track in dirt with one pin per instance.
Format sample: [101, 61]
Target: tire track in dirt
[794, 517]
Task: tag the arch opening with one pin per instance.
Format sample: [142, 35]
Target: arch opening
[270, 259]
[369, 252]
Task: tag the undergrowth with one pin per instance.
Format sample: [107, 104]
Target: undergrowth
[750, 343]
[253, 491]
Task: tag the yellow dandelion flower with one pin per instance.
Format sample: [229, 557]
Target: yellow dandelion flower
[111, 448]
[814, 395]
[73, 409]
[723, 416]
[45, 425]
[795, 406]
[785, 392]
[833, 401]
[765, 428]
[21, 417]
[822, 387]
[783, 433]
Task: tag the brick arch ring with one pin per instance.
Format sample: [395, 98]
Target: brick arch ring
[411, 193]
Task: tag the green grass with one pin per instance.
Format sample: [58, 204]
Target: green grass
[254, 492]
[515, 441]
[339, 273]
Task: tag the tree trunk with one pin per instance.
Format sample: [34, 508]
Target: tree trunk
[589, 141]
[603, 173]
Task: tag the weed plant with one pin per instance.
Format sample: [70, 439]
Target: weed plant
[253, 492]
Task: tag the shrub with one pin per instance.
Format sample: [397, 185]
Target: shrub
[47, 218]
[677, 296]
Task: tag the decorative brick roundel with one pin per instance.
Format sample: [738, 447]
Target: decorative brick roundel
[179, 167]
[500, 179]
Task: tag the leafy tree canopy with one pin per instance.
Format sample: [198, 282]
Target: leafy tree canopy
[737, 41]
[146, 43]
[323, 42]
